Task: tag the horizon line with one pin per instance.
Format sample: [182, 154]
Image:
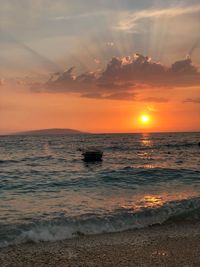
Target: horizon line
[86, 132]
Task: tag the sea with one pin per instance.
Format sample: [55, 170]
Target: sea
[48, 193]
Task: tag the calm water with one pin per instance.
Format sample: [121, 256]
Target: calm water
[48, 193]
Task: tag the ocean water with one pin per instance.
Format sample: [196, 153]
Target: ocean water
[48, 193]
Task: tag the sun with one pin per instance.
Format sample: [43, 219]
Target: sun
[144, 119]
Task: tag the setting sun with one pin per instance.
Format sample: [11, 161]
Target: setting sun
[144, 119]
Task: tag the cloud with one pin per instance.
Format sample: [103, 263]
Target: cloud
[152, 109]
[1, 82]
[140, 70]
[192, 100]
[154, 99]
[123, 78]
[115, 96]
[130, 19]
[80, 16]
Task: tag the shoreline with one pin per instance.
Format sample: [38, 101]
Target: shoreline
[172, 244]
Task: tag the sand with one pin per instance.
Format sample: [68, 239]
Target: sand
[166, 245]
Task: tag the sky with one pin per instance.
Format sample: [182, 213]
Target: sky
[99, 65]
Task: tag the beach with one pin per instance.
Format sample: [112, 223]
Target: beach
[172, 244]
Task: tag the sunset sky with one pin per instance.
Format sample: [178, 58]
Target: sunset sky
[100, 65]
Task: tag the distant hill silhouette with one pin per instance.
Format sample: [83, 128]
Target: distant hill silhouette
[50, 132]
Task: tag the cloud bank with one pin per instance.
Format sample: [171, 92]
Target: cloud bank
[122, 78]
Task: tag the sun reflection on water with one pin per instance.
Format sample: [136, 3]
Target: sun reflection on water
[153, 201]
[146, 140]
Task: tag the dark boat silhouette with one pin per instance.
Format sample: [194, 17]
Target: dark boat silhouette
[92, 154]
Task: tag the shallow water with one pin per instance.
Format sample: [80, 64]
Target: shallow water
[48, 193]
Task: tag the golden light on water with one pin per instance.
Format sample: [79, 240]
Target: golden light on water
[138, 202]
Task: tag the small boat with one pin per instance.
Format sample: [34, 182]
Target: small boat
[92, 154]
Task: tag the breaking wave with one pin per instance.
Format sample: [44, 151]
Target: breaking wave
[122, 219]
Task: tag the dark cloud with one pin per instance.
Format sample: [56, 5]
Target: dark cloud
[114, 96]
[192, 100]
[123, 78]
[154, 99]
[142, 70]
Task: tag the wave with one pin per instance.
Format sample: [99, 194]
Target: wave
[126, 178]
[119, 220]
[130, 176]
[8, 161]
[151, 145]
[32, 159]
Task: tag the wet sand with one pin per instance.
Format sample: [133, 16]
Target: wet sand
[165, 245]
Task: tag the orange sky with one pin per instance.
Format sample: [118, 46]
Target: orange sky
[43, 110]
